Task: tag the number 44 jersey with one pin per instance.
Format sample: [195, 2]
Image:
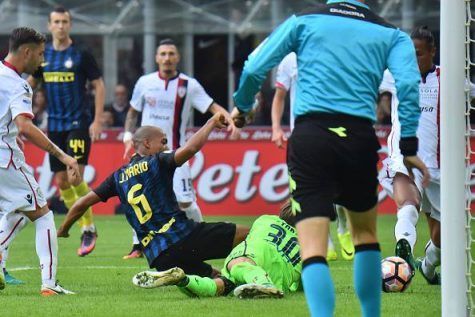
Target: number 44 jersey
[272, 244]
[145, 188]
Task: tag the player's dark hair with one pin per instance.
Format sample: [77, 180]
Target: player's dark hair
[24, 35]
[166, 42]
[424, 34]
[286, 213]
[60, 9]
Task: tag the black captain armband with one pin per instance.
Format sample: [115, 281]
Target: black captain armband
[409, 146]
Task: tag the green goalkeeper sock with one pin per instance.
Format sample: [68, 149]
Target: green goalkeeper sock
[197, 286]
[245, 273]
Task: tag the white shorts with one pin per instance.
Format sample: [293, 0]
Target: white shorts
[391, 166]
[183, 185]
[430, 203]
[19, 190]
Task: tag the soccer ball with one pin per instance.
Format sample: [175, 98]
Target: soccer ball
[397, 274]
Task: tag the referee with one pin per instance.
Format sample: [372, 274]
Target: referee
[65, 73]
[342, 50]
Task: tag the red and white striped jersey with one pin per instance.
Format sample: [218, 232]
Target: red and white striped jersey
[167, 104]
[428, 131]
[15, 99]
[286, 78]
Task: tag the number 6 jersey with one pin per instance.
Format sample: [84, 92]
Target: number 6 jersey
[145, 187]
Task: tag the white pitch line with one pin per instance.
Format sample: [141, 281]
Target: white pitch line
[93, 267]
[110, 267]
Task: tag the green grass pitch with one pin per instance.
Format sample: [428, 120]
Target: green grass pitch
[103, 282]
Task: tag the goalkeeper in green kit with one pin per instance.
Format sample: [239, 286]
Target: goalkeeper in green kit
[266, 264]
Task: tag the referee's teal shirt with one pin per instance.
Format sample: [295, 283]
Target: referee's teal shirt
[342, 51]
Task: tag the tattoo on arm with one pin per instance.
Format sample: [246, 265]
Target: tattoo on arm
[54, 150]
[131, 120]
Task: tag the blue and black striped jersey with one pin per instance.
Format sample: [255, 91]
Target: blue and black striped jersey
[145, 187]
[65, 74]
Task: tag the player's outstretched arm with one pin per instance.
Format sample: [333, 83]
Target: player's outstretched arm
[38, 138]
[95, 129]
[196, 142]
[278, 135]
[130, 124]
[76, 212]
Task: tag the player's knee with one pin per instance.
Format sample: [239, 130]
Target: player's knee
[239, 261]
[62, 180]
[408, 212]
[240, 235]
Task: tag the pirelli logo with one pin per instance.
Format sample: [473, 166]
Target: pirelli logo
[58, 77]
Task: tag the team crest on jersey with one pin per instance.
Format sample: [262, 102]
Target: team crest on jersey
[181, 92]
[68, 63]
[151, 101]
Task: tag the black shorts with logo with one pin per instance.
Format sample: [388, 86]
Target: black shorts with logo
[206, 242]
[332, 159]
[75, 143]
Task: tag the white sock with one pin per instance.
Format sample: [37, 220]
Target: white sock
[90, 228]
[3, 259]
[47, 248]
[10, 225]
[135, 239]
[406, 224]
[341, 219]
[431, 260]
[193, 212]
[330, 242]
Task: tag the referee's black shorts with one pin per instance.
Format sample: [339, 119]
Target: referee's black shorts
[332, 159]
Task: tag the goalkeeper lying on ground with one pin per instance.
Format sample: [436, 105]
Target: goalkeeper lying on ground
[266, 264]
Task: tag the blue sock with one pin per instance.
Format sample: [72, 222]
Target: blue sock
[367, 278]
[318, 287]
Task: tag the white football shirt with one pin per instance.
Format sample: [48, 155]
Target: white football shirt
[15, 99]
[428, 131]
[167, 103]
[286, 78]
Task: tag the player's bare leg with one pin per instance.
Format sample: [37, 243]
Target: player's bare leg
[70, 192]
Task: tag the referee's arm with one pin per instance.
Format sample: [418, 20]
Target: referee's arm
[268, 54]
[402, 64]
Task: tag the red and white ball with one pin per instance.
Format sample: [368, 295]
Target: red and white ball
[397, 274]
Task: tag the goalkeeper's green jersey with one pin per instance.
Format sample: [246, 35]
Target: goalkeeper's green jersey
[272, 244]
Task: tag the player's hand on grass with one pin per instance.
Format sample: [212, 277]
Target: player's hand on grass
[61, 233]
[95, 130]
[278, 136]
[415, 162]
[129, 146]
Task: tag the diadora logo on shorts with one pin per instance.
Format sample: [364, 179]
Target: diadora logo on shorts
[29, 198]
